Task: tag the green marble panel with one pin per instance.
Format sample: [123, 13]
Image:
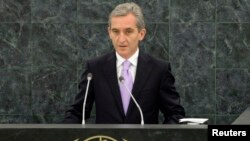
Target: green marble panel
[232, 89]
[225, 119]
[44, 118]
[196, 89]
[54, 11]
[15, 11]
[193, 10]
[12, 119]
[54, 68]
[14, 68]
[233, 41]
[156, 41]
[95, 11]
[233, 11]
[14, 45]
[92, 41]
[192, 46]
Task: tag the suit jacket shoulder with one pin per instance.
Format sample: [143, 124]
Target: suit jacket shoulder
[156, 62]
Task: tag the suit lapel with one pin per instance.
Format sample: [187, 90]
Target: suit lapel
[110, 72]
[142, 72]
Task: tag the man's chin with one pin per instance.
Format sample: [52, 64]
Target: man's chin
[123, 54]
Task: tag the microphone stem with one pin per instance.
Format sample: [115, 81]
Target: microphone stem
[142, 119]
[84, 103]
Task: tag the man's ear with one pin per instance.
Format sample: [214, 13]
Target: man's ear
[142, 34]
[109, 31]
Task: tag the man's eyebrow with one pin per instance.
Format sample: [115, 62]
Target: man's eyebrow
[114, 29]
[129, 28]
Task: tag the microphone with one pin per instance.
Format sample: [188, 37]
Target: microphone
[121, 79]
[89, 77]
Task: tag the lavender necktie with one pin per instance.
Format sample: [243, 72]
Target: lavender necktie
[128, 81]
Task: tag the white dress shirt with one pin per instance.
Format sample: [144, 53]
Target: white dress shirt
[133, 60]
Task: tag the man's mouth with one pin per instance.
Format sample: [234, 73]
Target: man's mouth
[122, 46]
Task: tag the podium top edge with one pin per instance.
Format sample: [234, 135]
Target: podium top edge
[102, 126]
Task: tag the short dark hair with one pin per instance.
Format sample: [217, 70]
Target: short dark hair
[126, 8]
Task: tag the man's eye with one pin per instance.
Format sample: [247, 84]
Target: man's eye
[129, 31]
[115, 31]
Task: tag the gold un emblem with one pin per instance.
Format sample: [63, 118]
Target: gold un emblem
[100, 138]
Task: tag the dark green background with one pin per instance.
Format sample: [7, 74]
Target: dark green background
[44, 45]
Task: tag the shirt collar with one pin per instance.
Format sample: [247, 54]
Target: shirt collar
[133, 59]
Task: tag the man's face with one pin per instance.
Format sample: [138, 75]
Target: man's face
[125, 35]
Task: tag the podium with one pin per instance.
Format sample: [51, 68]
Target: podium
[102, 132]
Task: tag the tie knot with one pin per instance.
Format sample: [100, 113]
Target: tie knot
[126, 64]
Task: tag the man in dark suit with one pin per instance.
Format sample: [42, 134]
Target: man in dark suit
[149, 79]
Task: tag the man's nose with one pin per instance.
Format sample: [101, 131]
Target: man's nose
[121, 37]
